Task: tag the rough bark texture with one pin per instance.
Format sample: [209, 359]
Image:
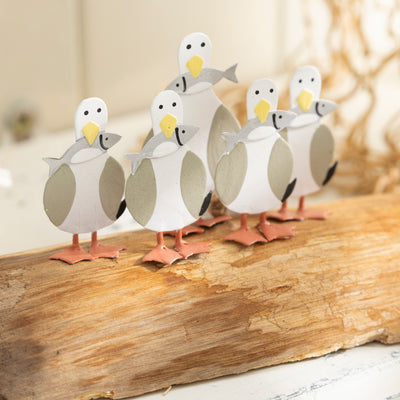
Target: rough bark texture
[129, 327]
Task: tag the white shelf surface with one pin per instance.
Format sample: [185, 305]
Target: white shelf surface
[370, 372]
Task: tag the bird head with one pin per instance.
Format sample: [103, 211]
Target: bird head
[166, 112]
[194, 55]
[91, 117]
[262, 97]
[305, 87]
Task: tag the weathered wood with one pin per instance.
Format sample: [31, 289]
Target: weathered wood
[128, 327]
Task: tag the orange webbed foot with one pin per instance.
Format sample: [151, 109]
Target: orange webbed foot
[275, 231]
[98, 250]
[245, 236]
[187, 249]
[163, 255]
[72, 255]
[313, 214]
[208, 223]
[187, 230]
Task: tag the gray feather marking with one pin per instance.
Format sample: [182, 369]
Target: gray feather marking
[230, 174]
[111, 187]
[59, 194]
[223, 121]
[141, 192]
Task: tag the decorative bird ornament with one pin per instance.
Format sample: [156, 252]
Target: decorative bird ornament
[311, 141]
[203, 108]
[167, 187]
[85, 187]
[254, 176]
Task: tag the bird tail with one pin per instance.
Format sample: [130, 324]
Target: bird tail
[230, 139]
[289, 190]
[206, 203]
[330, 173]
[121, 208]
[230, 73]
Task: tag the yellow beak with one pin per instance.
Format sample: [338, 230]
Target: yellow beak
[168, 125]
[305, 99]
[195, 65]
[262, 110]
[90, 132]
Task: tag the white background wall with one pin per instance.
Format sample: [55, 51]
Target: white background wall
[54, 53]
[38, 58]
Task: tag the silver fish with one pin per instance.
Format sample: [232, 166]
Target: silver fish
[319, 107]
[182, 134]
[278, 119]
[211, 75]
[103, 142]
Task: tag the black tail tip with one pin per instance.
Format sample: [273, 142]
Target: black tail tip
[330, 173]
[206, 203]
[289, 190]
[121, 208]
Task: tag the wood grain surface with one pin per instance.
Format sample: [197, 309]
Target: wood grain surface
[126, 327]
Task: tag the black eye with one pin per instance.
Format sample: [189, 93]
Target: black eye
[280, 117]
[86, 112]
[323, 105]
[202, 44]
[177, 85]
[183, 131]
[257, 92]
[106, 138]
[271, 90]
[99, 110]
[160, 106]
[173, 104]
[300, 80]
[189, 46]
[312, 79]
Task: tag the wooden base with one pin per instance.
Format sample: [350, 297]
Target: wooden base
[129, 327]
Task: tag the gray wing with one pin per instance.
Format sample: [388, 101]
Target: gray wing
[280, 167]
[223, 121]
[230, 173]
[141, 192]
[321, 153]
[111, 187]
[59, 194]
[193, 183]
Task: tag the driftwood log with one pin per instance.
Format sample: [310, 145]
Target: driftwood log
[126, 327]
